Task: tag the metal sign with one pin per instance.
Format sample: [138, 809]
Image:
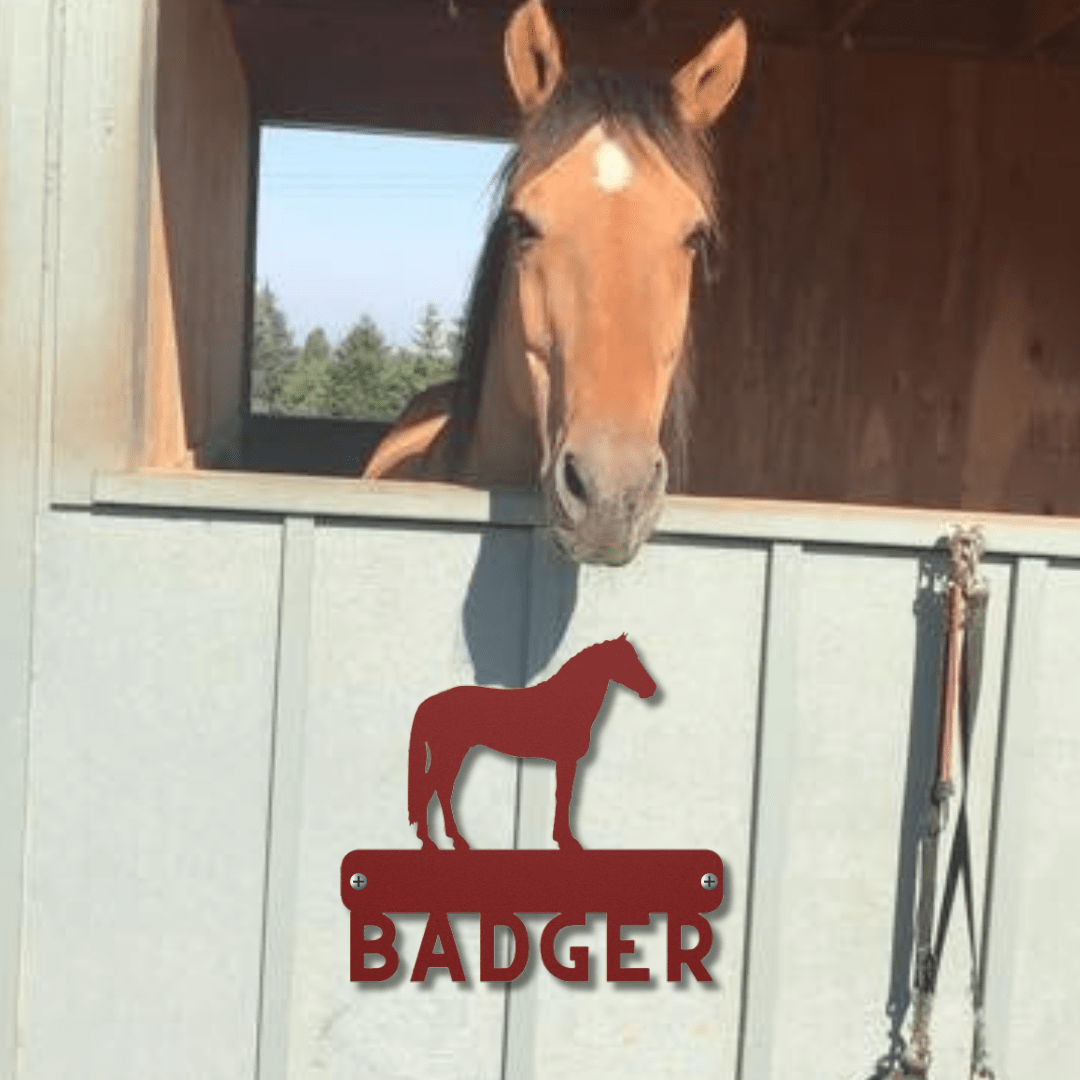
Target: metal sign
[626, 886]
[552, 720]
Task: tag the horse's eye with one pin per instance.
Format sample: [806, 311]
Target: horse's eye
[523, 232]
[699, 244]
[698, 241]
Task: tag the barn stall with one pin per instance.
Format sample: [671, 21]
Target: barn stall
[210, 662]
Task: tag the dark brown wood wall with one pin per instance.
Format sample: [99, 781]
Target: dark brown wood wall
[899, 317]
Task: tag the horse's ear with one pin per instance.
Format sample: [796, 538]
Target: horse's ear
[704, 86]
[533, 57]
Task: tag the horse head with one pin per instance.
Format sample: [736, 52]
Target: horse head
[573, 374]
[609, 200]
[627, 668]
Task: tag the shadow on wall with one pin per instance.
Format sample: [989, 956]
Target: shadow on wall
[513, 627]
[929, 611]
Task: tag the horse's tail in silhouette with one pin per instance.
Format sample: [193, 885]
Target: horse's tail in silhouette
[419, 782]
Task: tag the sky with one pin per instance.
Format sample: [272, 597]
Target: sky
[353, 224]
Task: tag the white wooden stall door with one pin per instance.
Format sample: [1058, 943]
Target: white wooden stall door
[221, 711]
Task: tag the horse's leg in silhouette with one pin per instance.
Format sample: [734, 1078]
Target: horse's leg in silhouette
[449, 767]
[565, 771]
[426, 843]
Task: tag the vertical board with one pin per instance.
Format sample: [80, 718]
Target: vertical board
[104, 200]
[777, 714]
[1035, 951]
[149, 763]
[849, 741]
[397, 615]
[27, 120]
[672, 772]
[286, 794]
[861, 765]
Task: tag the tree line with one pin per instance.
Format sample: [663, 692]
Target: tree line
[361, 377]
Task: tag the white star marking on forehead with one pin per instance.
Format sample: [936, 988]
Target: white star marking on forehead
[614, 170]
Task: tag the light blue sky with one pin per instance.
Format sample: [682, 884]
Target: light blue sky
[352, 224]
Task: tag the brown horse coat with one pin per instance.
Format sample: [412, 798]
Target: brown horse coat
[573, 376]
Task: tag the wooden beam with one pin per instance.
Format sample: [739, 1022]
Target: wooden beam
[331, 64]
[645, 10]
[342, 61]
[843, 21]
[1044, 20]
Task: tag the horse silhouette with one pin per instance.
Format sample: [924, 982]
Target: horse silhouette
[552, 720]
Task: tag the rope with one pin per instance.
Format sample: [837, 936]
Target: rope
[967, 596]
[966, 549]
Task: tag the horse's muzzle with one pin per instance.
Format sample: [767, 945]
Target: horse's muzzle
[604, 500]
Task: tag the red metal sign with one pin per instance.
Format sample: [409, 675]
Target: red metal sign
[552, 720]
[627, 886]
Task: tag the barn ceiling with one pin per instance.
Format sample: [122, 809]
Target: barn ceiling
[435, 65]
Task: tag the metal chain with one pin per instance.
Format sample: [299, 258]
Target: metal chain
[980, 1058]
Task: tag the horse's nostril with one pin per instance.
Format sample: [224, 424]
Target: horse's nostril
[574, 484]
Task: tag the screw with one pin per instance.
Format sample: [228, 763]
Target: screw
[358, 881]
[709, 881]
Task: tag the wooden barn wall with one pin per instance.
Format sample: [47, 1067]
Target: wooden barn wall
[897, 320]
[198, 238]
[895, 324]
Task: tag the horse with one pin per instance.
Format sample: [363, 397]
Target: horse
[574, 373]
[552, 720]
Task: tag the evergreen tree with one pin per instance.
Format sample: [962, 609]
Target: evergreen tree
[363, 378]
[455, 341]
[430, 359]
[316, 346]
[305, 385]
[272, 351]
[357, 384]
[429, 351]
